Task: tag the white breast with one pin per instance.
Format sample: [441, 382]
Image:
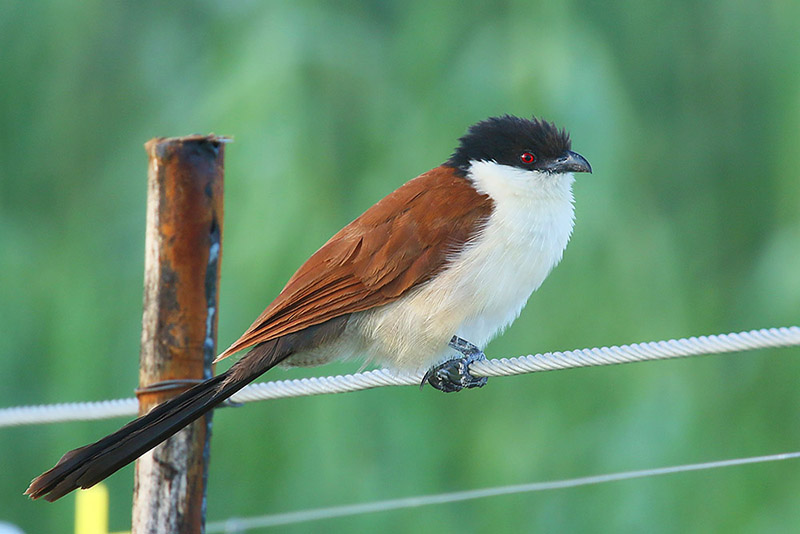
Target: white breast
[486, 285]
[522, 242]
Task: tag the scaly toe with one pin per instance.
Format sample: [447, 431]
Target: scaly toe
[453, 375]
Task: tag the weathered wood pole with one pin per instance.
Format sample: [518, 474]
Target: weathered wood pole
[183, 248]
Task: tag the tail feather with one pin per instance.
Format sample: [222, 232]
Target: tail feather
[88, 465]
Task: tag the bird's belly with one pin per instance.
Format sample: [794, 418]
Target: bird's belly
[502, 275]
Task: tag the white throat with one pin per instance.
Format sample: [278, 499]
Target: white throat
[504, 183]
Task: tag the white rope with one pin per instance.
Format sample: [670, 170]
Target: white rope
[242, 524]
[549, 361]
[637, 352]
[73, 411]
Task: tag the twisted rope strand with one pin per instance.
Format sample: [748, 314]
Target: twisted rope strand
[548, 361]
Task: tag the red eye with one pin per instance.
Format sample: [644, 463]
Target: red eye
[527, 158]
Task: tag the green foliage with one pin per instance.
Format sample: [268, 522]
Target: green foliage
[688, 112]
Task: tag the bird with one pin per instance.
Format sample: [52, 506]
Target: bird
[421, 281]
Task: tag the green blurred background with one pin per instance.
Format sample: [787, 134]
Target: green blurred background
[688, 111]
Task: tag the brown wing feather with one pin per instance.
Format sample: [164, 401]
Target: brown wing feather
[398, 243]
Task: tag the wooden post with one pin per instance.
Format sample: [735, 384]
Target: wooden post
[179, 323]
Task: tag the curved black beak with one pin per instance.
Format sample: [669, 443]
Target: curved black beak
[569, 162]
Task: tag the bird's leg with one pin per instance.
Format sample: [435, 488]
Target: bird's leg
[453, 375]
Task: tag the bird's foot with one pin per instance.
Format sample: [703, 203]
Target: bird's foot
[454, 375]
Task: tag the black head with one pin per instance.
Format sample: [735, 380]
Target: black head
[528, 144]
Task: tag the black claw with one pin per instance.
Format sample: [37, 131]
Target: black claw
[454, 375]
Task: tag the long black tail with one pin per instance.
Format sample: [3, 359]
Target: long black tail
[86, 466]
